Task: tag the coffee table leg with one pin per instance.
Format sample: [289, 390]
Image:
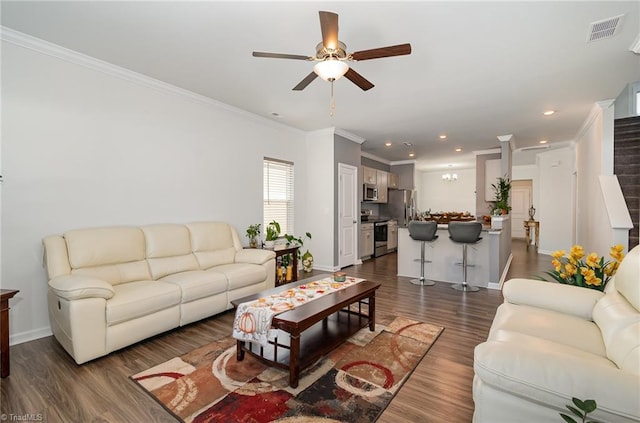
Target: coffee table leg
[294, 361]
[239, 350]
[372, 312]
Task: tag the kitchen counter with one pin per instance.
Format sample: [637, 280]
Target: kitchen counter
[490, 257]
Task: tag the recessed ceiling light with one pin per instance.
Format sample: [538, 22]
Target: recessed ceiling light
[408, 144]
[411, 154]
[458, 149]
[543, 141]
[549, 112]
[443, 137]
[388, 144]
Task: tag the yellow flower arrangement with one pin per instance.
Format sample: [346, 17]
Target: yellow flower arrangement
[589, 272]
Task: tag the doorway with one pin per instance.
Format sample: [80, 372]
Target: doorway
[521, 198]
[348, 215]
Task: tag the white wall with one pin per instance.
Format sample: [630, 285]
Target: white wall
[556, 209]
[594, 154]
[439, 195]
[319, 188]
[85, 148]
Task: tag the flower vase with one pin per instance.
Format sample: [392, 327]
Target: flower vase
[307, 261]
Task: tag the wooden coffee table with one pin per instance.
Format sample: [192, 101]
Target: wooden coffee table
[313, 329]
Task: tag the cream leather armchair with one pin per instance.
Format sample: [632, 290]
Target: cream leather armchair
[112, 287]
[551, 342]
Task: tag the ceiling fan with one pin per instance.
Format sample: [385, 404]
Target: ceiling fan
[332, 57]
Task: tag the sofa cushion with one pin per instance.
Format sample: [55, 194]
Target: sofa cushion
[168, 250]
[550, 373]
[616, 319]
[166, 240]
[241, 274]
[197, 284]
[99, 246]
[136, 299]
[161, 267]
[213, 243]
[550, 325]
[627, 281]
[117, 273]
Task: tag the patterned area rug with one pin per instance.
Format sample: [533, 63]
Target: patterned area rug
[353, 383]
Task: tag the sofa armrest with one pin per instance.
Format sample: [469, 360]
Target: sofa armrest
[567, 299]
[553, 376]
[254, 256]
[71, 287]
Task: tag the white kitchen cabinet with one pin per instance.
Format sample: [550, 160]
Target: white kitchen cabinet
[366, 240]
[369, 175]
[392, 235]
[381, 182]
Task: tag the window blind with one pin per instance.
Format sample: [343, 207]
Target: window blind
[278, 194]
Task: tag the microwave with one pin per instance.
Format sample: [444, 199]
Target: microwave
[370, 192]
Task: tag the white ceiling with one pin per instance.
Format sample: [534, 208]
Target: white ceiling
[478, 70]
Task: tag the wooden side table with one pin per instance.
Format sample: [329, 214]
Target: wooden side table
[282, 251]
[5, 296]
[528, 224]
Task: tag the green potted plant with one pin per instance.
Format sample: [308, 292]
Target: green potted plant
[272, 233]
[307, 257]
[253, 231]
[502, 189]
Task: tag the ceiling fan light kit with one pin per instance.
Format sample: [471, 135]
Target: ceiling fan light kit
[331, 69]
[331, 55]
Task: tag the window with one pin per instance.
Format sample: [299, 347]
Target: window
[278, 194]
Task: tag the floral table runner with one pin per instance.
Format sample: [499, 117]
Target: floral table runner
[253, 319]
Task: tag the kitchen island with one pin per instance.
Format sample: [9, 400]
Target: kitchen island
[490, 257]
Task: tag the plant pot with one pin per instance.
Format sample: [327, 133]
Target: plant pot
[269, 244]
[253, 243]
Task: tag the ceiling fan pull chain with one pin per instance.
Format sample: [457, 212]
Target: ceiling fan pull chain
[332, 104]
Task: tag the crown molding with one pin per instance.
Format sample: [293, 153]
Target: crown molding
[596, 111]
[348, 135]
[374, 157]
[50, 49]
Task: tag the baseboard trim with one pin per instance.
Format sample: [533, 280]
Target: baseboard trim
[30, 335]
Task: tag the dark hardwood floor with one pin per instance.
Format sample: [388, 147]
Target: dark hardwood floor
[46, 382]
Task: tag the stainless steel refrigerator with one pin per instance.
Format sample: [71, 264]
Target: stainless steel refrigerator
[401, 205]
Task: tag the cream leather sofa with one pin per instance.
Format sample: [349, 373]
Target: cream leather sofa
[551, 342]
[112, 287]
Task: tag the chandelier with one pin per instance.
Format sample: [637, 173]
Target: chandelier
[449, 177]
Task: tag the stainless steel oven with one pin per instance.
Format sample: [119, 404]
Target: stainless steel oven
[380, 234]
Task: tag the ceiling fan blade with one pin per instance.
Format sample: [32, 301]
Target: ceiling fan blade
[280, 56]
[306, 81]
[358, 79]
[377, 53]
[329, 27]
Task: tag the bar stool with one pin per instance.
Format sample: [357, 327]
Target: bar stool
[423, 232]
[465, 233]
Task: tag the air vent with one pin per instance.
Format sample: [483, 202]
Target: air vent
[606, 28]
